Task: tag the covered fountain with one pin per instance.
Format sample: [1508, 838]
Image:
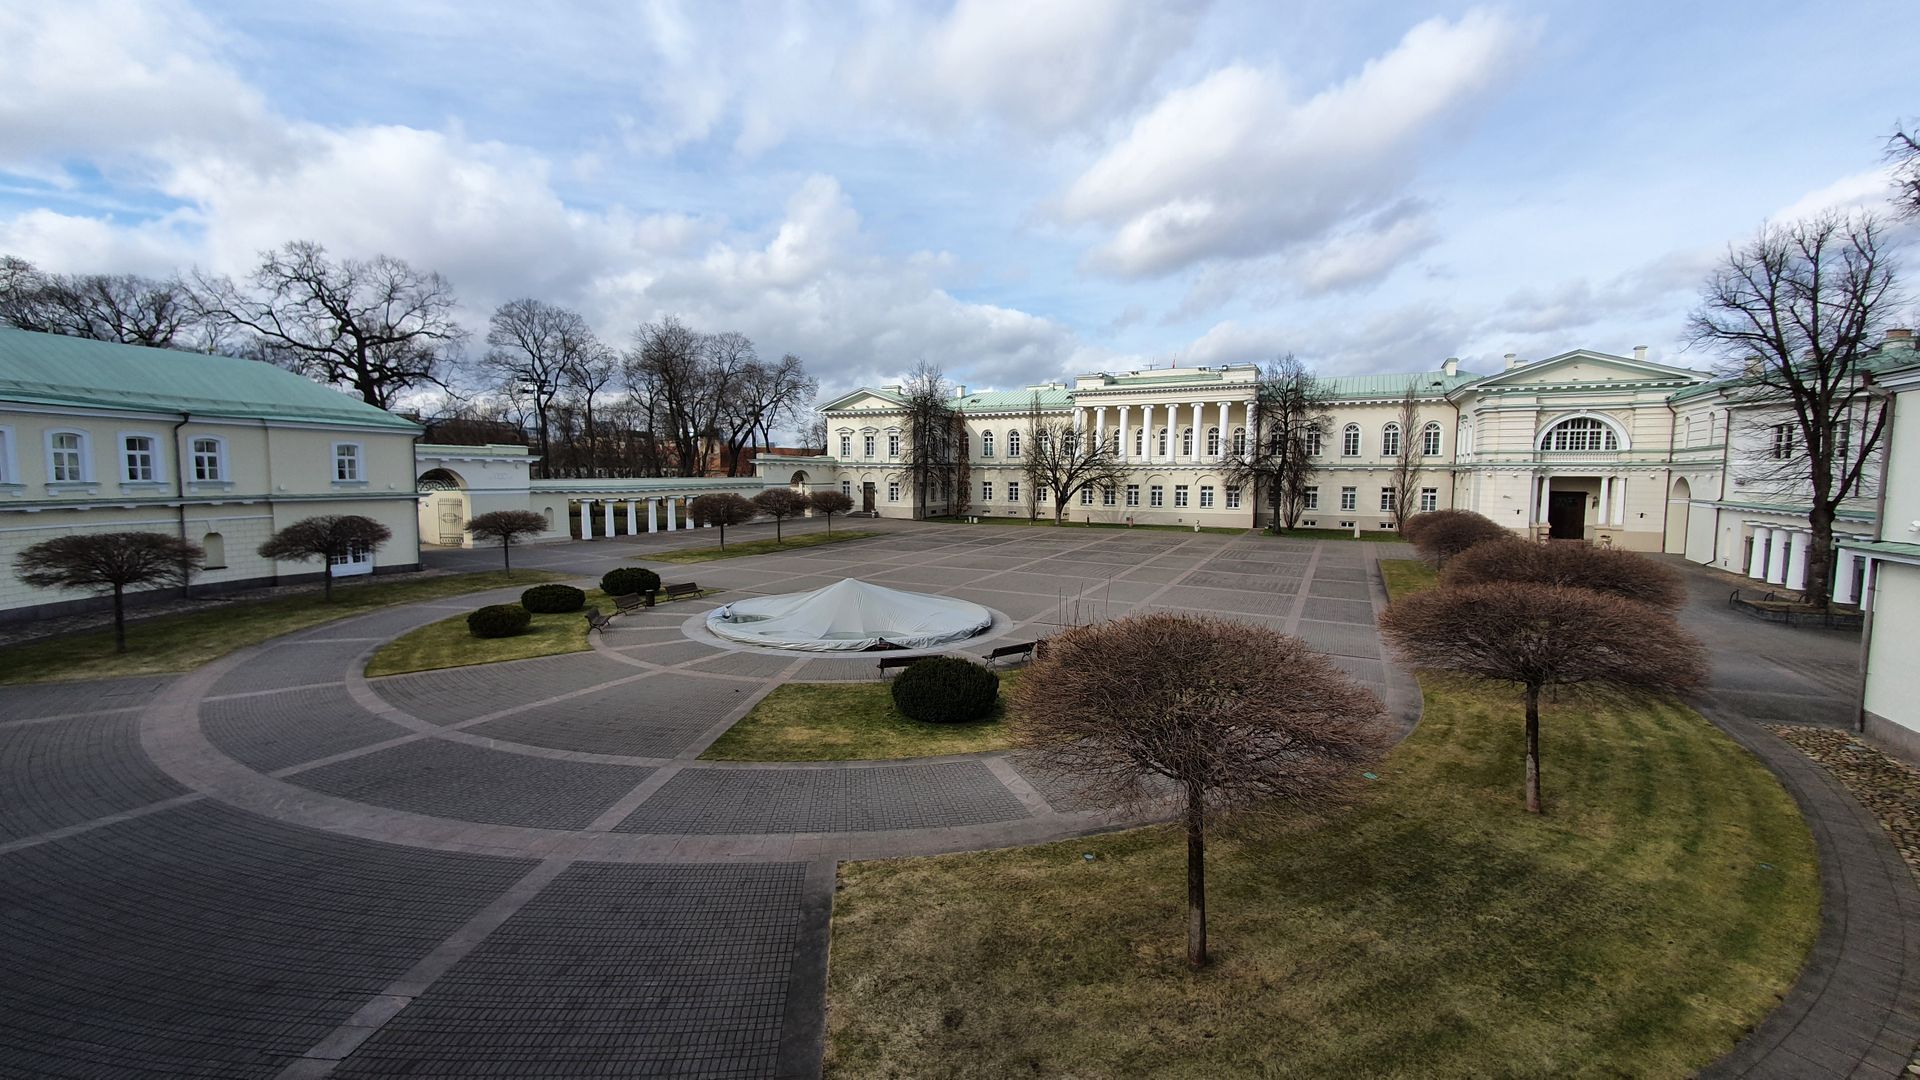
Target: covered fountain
[849, 616]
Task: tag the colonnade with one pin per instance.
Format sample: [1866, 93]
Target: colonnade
[1170, 417]
[1779, 557]
[675, 518]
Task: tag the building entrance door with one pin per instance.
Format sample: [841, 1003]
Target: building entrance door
[866, 498]
[1566, 515]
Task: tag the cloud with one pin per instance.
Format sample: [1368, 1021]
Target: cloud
[1233, 167]
[1368, 251]
[1870, 190]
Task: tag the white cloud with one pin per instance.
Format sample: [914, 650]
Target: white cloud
[1367, 252]
[1232, 167]
[1870, 190]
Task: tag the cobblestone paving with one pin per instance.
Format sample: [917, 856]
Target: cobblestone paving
[655, 717]
[1884, 784]
[470, 783]
[61, 699]
[826, 800]
[273, 731]
[65, 772]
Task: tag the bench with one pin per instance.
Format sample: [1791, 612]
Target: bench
[1024, 649]
[675, 592]
[632, 602]
[896, 661]
[597, 621]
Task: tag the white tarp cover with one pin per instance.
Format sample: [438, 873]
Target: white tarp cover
[849, 615]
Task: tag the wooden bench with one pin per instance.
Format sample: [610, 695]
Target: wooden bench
[896, 662]
[632, 602]
[1024, 650]
[675, 592]
[597, 621]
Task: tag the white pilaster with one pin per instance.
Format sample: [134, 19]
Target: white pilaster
[1620, 501]
[1797, 561]
[1540, 503]
[586, 519]
[607, 506]
[1777, 558]
[653, 515]
[1606, 501]
[1757, 555]
[670, 522]
[1843, 576]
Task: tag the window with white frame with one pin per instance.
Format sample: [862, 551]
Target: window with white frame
[893, 444]
[358, 559]
[1179, 495]
[1429, 499]
[1349, 498]
[1161, 444]
[893, 491]
[1311, 497]
[1206, 496]
[209, 459]
[67, 458]
[1842, 441]
[1013, 491]
[1430, 439]
[1133, 494]
[986, 491]
[1042, 494]
[1139, 442]
[1233, 498]
[986, 444]
[846, 488]
[1239, 440]
[137, 459]
[1390, 440]
[1313, 441]
[1186, 443]
[1350, 441]
[346, 463]
[1388, 500]
[1156, 495]
[1213, 442]
[1580, 433]
[1086, 496]
[7, 470]
[1782, 441]
[1013, 443]
[846, 444]
[866, 444]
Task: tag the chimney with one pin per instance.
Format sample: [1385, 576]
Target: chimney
[1640, 353]
[1512, 361]
[960, 390]
[1452, 366]
[1900, 338]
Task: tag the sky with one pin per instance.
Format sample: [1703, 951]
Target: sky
[1013, 191]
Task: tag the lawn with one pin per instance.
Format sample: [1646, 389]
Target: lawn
[742, 548]
[848, 722]
[1046, 522]
[1377, 536]
[184, 641]
[1435, 929]
[1407, 575]
[448, 643]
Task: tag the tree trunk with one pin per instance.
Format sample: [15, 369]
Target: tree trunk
[777, 519]
[723, 536]
[506, 554]
[1533, 749]
[119, 619]
[1819, 583]
[829, 524]
[1196, 877]
[326, 578]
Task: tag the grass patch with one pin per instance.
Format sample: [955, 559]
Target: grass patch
[1047, 523]
[187, 640]
[1405, 576]
[849, 722]
[448, 643]
[1377, 536]
[1434, 930]
[740, 549]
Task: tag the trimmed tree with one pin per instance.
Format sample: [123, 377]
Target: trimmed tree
[328, 537]
[1224, 717]
[1540, 636]
[781, 503]
[721, 511]
[1442, 534]
[507, 526]
[1603, 570]
[829, 503]
[110, 562]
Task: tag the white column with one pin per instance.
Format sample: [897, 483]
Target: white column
[1843, 576]
[607, 505]
[1253, 432]
[1757, 555]
[586, 519]
[1199, 433]
[1540, 504]
[1797, 561]
[1146, 433]
[633, 517]
[1226, 431]
[1606, 501]
[1620, 502]
[670, 522]
[1126, 442]
[653, 515]
[1777, 558]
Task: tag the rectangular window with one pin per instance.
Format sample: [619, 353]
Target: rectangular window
[1206, 496]
[846, 488]
[1108, 496]
[1156, 495]
[893, 491]
[1179, 495]
[1040, 494]
[1429, 499]
[846, 446]
[206, 460]
[1349, 498]
[986, 491]
[867, 444]
[1782, 441]
[1313, 498]
[1013, 491]
[139, 458]
[67, 462]
[1388, 498]
[1133, 494]
[1233, 498]
[1086, 496]
[346, 462]
[1842, 441]
[893, 444]
[357, 560]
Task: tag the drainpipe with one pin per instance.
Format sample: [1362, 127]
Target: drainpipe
[180, 493]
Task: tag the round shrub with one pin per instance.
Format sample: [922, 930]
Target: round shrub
[945, 690]
[628, 580]
[498, 620]
[553, 599]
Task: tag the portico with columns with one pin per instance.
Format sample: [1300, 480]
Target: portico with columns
[604, 508]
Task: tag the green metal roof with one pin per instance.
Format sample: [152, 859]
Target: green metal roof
[1892, 548]
[1880, 362]
[1002, 400]
[1347, 387]
[50, 369]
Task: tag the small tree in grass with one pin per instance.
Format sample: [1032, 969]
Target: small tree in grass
[328, 537]
[1604, 570]
[829, 503]
[1442, 534]
[1541, 636]
[721, 511]
[507, 526]
[1223, 716]
[780, 504]
[110, 562]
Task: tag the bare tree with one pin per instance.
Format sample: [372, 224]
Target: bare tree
[721, 511]
[1794, 314]
[937, 447]
[589, 369]
[764, 396]
[528, 354]
[1290, 416]
[670, 364]
[327, 538]
[829, 503]
[1613, 571]
[1064, 461]
[110, 562]
[781, 503]
[507, 526]
[377, 325]
[1405, 481]
[1542, 636]
[1903, 152]
[1224, 717]
[1442, 534]
[126, 308]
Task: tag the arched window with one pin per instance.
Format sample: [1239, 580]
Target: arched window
[1430, 439]
[1186, 443]
[209, 459]
[1580, 433]
[1350, 441]
[1013, 443]
[1139, 442]
[1313, 441]
[1390, 440]
[986, 444]
[1239, 440]
[1213, 442]
[1162, 451]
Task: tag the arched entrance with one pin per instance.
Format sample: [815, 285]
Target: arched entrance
[798, 482]
[1679, 507]
[443, 507]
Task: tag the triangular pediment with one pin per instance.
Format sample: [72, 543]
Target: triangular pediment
[864, 398]
[1588, 366]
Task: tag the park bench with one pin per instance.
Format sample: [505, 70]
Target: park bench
[675, 592]
[895, 662]
[597, 621]
[632, 602]
[1023, 649]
